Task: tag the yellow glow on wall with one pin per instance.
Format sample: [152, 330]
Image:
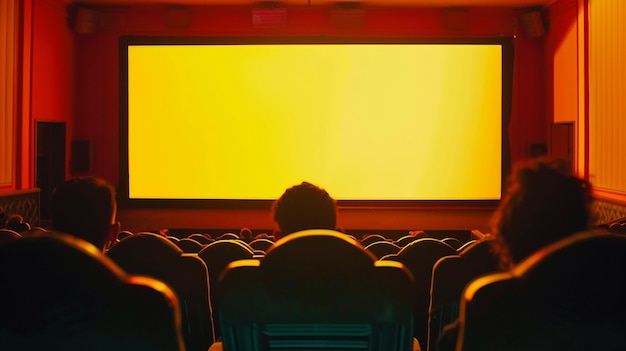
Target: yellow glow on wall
[380, 122]
[607, 96]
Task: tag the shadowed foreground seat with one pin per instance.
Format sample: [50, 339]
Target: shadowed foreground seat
[420, 257]
[567, 296]
[155, 256]
[450, 276]
[316, 290]
[61, 293]
[217, 255]
[8, 235]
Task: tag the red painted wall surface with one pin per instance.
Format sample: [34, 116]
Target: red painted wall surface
[52, 75]
[96, 81]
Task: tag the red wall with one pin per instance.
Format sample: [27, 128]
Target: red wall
[96, 79]
[52, 85]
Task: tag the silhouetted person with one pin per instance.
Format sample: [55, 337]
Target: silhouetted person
[544, 203]
[304, 206]
[245, 234]
[85, 207]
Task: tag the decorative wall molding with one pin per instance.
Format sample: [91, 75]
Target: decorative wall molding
[22, 202]
[606, 212]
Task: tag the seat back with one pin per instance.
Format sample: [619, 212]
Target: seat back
[450, 276]
[381, 249]
[453, 242]
[201, 238]
[8, 235]
[371, 238]
[189, 245]
[217, 255]
[569, 295]
[261, 244]
[419, 257]
[316, 290]
[60, 293]
[155, 256]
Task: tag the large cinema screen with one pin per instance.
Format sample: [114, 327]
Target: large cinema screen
[384, 121]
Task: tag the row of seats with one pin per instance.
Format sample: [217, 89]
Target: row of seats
[318, 289]
[417, 253]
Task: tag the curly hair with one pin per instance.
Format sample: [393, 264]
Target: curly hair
[305, 206]
[544, 203]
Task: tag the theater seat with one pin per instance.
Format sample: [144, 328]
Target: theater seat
[381, 249]
[567, 296]
[261, 244]
[420, 257]
[450, 276]
[316, 290]
[155, 256]
[61, 293]
[217, 255]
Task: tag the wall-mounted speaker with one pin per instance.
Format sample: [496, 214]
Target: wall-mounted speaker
[86, 21]
[81, 156]
[532, 24]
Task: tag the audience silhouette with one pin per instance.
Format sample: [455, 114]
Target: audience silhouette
[304, 206]
[86, 207]
[544, 203]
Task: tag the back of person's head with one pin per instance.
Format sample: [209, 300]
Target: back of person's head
[545, 202]
[245, 234]
[305, 206]
[85, 207]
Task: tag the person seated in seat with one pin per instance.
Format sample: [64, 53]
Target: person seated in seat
[545, 203]
[304, 206]
[86, 208]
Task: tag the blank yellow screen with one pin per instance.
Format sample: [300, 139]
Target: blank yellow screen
[365, 122]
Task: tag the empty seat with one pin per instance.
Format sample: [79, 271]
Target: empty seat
[419, 257]
[407, 239]
[381, 249]
[371, 238]
[201, 238]
[261, 244]
[450, 276]
[189, 245]
[316, 290]
[60, 293]
[155, 256]
[217, 256]
[453, 242]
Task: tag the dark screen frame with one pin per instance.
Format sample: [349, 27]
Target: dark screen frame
[123, 191]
